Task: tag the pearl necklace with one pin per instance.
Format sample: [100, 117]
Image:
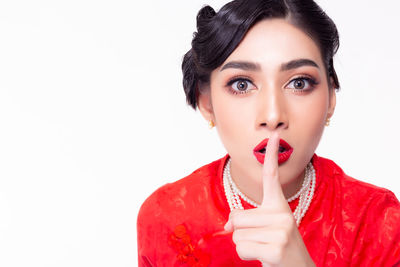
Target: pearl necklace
[305, 193]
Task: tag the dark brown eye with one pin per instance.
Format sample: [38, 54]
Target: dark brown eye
[241, 85]
[299, 83]
[302, 84]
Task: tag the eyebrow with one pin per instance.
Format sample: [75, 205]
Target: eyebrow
[251, 66]
[244, 65]
[297, 63]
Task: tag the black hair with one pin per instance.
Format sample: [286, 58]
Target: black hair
[219, 33]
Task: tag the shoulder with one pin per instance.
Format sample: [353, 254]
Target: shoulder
[174, 197]
[168, 207]
[357, 201]
[368, 212]
[368, 215]
[350, 187]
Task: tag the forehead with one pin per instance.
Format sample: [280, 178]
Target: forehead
[271, 42]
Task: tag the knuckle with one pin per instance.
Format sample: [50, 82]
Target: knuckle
[241, 250]
[283, 237]
[288, 217]
[288, 221]
[277, 255]
[235, 237]
[235, 217]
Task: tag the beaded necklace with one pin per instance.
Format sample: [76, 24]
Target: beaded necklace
[306, 192]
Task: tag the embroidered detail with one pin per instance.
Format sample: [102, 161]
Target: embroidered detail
[180, 241]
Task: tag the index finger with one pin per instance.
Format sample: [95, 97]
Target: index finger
[272, 189]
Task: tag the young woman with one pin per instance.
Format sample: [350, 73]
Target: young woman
[261, 72]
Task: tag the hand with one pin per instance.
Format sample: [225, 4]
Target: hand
[269, 233]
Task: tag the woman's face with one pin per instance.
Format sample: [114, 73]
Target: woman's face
[274, 80]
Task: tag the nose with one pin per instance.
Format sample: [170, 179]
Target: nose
[271, 110]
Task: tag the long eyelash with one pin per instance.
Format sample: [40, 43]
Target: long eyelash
[307, 78]
[232, 81]
[311, 80]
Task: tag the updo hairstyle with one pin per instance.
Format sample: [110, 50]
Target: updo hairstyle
[219, 33]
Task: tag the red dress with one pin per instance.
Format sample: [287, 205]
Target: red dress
[349, 222]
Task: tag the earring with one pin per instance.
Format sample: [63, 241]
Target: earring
[328, 121]
[210, 124]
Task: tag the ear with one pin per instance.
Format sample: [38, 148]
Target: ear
[205, 105]
[332, 100]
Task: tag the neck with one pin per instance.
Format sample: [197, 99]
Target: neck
[251, 184]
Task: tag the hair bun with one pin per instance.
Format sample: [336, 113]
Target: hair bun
[190, 78]
[205, 13]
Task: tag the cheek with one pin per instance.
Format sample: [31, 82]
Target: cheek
[309, 120]
[233, 118]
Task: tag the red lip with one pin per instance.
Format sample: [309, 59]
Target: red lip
[282, 156]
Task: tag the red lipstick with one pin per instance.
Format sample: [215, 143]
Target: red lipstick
[285, 150]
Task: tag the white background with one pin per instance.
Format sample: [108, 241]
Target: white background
[93, 118]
